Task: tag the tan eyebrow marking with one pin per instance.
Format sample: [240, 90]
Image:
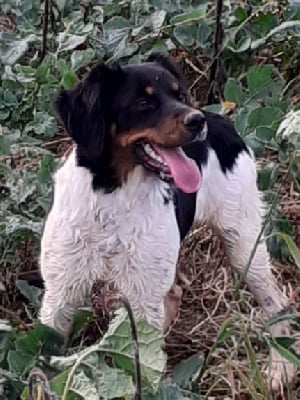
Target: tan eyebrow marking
[174, 86]
[149, 90]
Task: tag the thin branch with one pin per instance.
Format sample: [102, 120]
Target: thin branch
[217, 74]
[45, 29]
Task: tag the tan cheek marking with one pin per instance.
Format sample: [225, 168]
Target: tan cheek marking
[127, 138]
[149, 90]
[174, 86]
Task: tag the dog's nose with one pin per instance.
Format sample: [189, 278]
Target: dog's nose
[194, 121]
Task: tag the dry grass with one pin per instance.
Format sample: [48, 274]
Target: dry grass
[207, 304]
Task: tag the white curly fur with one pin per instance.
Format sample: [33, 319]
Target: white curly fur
[130, 237]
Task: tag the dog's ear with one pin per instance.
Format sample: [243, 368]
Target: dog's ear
[167, 64]
[84, 109]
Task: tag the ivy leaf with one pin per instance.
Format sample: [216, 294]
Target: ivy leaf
[68, 41]
[186, 34]
[115, 30]
[195, 14]
[117, 344]
[265, 134]
[81, 58]
[234, 92]
[32, 293]
[265, 116]
[44, 124]
[239, 46]
[13, 48]
[169, 391]
[69, 80]
[183, 373]
[102, 381]
[289, 129]
[293, 26]
[263, 81]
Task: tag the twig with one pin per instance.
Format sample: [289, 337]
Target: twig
[217, 74]
[13, 316]
[138, 378]
[45, 29]
[107, 300]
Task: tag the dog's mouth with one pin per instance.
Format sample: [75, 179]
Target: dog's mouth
[171, 164]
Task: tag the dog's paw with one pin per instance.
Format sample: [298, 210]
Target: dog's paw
[279, 373]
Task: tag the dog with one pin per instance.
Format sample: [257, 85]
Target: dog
[145, 166]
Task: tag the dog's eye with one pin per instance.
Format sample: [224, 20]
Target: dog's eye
[182, 97]
[142, 104]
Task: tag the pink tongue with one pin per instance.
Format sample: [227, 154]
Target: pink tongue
[184, 170]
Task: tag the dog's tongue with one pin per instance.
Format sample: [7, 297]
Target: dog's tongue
[184, 170]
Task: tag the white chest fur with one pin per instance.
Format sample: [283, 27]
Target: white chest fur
[129, 237]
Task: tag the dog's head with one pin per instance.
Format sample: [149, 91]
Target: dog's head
[138, 114]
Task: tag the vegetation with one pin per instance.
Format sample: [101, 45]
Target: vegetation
[252, 74]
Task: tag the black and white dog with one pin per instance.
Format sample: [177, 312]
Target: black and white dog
[144, 167]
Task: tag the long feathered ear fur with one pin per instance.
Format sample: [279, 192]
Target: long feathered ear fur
[83, 110]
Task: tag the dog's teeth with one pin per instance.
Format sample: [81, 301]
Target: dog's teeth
[152, 153]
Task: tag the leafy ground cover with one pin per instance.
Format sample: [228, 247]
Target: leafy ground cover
[252, 74]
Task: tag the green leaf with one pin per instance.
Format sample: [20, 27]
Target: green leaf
[267, 176]
[68, 41]
[234, 92]
[265, 116]
[20, 362]
[5, 326]
[101, 380]
[156, 20]
[117, 344]
[44, 124]
[264, 80]
[69, 80]
[61, 4]
[115, 33]
[203, 34]
[41, 340]
[241, 45]
[265, 134]
[81, 58]
[186, 34]
[47, 167]
[193, 15]
[289, 129]
[169, 391]
[13, 48]
[240, 14]
[256, 145]
[82, 317]
[294, 250]
[183, 373]
[285, 353]
[291, 26]
[32, 293]
[57, 385]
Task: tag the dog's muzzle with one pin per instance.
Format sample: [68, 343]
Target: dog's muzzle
[196, 124]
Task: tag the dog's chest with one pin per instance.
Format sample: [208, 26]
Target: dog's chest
[125, 224]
